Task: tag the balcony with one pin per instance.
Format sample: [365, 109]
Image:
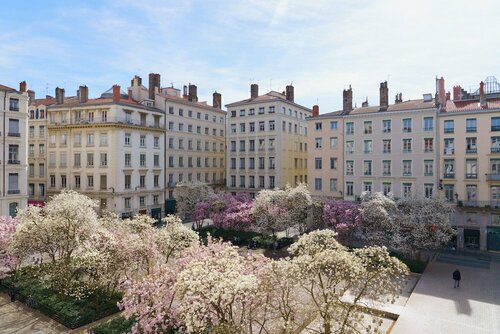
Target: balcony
[349, 151]
[431, 128]
[495, 128]
[386, 174]
[13, 162]
[14, 134]
[471, 176]
[471, 150]
[107, 120]
[452, 130]
[407, 150]
[471, 129]
[428, 174]
[428, 150]
[448, 151]
[495, 150]
[493, 177]
[406, 173]
[13, 191]
[449, 175]
[349, 132]
[386, 151]
[367, 151]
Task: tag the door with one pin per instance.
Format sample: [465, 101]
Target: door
[156, 214]
[493, 237]
[471, 239]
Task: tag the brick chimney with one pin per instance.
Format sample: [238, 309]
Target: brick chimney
[22, 86]
[448, 96]
[154, 85]
[290, 96]
[129, 94]
[185, 92]
[315, 110]
[83, 94]
[384, 96]
[347, 100]
[254, 91]
[116, 93]
[192, 93]
[457, 93]
[482, 96]
[136, 81]
[31, 95]
[59, 95]
[217, 100]
[399, 98]
[440, 94]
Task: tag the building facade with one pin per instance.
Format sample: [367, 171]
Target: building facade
[267, 141]
[469, 130]
[14, 155]
[325, 165]
[195, 148]
[109, 148]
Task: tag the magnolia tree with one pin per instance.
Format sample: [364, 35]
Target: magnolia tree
[280, 210]
[188, 194]
[344, 218]
[378, 213]
[7, 230]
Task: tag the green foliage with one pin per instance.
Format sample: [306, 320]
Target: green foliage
[116, 326]
[69, 311]
[244, 237]
[415, 265]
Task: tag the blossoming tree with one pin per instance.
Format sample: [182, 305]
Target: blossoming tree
[344, 218]
[187, 194]
[7, 230]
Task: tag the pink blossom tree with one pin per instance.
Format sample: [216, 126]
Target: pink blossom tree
[344, 218]
[8, 260]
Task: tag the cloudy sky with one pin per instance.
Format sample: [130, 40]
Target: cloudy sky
[321, 46]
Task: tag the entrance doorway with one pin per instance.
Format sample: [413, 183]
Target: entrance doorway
[493, 236]
[471, 239]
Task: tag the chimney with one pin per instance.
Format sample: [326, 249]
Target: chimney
[289, 93]
[116, 93]
[192, 93]
[399, 98]
[384, 96]
[185, 92]
[129, 94]
[31, 95]
[482, 97]
[448, 96]
[347, 100]
[154, 85]
[457, 93]
[136, 81]
[59, 95]
[364, 104]
[440, 94]
[315, 110]
[217, 100]
[22, 86]
[254, 91]
[83, 94]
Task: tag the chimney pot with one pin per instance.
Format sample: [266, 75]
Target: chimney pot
[457, 93]
[482, 96]
[193, 93]
[59, 95]
[315, 110]
[384, 96]
[83, 94]
[129, 94]
[347, 100]
[154, 85]
[217, 100]
[254, 91]
[290, 93]
[116, 93]
[440, 94]
[22, 86]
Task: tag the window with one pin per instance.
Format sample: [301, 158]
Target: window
[271, 125]
[233, 128]
[386, 145]
[156, 160]
[262, 126]
[242, 127]
[128, 159]
[471, 169]
[90, 139]
[368, 127]
[449, 126]
[406, 145]
[368, 146]
[349, 189]
[90, 159]
[41, 131]
[251, 111]
[261, 163]
[471, 194]
[428, 123]
[233, 113]
[242, 163]
[261, 182]
[181, 126]
[318, 184]
[251, 163]
[495, 166]
[449, 146]
[333, 142]
[349, 128]
[242, 181]
[13, 104]
[387, 188]
[104, 182]
[41, 170]
[349, 167]
[127, 202]
[32, 150]
[495, 124]
[495, 196]
[242, 112]
[103, 139]
[471, 125]
[319, 126]
[471, 145]
[171, 126]
[52, 181]
[428, 145]
[14, 128]
[77, 181]
[428, 190]
[31, 170]
[407, 125]
[63, 159]
[90, 181]
[156, 142]
[333, 163]
[386, 168]
[142, 199]
[333, 185]
[318, 142]
[407, 189]
[318, 163]
[261, 110]
[127, 139]
[386, 126]
[32, 132]
[449, 168]
[104, 159]
[349, 147]
[142, 181]
[449, 192]
[406, 167]
[128, 181]
[367, 186]
[333, 125]
[142, 160]
[271, 109]
[367, 167]
[428, 167]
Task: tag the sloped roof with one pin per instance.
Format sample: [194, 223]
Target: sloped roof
[270, 96]
[471, 105]
[7, 88]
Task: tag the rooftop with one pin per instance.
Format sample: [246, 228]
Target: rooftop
[270, 96]
[7, 88]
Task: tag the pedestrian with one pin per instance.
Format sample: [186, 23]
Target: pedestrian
[457, 277]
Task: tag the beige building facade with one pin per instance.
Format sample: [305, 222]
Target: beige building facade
[109, 148]
[14, 146]
[266, 141]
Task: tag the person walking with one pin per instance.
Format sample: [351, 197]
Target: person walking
[457, 277]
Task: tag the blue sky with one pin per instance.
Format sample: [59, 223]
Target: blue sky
[321, 46]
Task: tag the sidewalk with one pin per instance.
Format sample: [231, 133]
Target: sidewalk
[436, 307]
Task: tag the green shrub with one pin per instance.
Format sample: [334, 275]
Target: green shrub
[116, 326]
[415, 265]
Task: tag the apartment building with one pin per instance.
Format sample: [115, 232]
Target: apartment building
[195, 148]
[390, 148]
[469, 130]
[37, 146]
[325, 165]
[267, 141]
[14, 155]
[109, 148]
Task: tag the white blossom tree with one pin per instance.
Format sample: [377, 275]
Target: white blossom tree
[188, 194]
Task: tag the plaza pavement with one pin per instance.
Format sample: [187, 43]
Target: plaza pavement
[436, 307]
